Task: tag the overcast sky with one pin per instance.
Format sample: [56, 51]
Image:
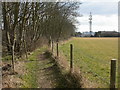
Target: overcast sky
[105, 15]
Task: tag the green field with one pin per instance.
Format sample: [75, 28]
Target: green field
[93, 56]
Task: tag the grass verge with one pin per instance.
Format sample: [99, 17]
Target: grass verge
[30, 78]
[64, 79]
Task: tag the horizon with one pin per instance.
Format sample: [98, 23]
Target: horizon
[98, 31]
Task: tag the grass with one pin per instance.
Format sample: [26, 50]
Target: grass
[42, 70]
[92, 56]
[56, 74]
[30, 77]
[48, 69]
[7, 58]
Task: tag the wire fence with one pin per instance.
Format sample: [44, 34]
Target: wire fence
[103, 79]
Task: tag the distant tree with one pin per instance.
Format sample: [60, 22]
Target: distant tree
[78, 33]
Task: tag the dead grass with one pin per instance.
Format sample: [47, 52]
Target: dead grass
[76, 74]
[95, 38]
[13, 81]
[57, 73]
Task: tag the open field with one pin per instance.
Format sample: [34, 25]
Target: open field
[92, 56]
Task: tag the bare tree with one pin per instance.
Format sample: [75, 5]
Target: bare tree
[26, 23]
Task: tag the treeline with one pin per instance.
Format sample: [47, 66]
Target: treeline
[27, 24]
[98, 34]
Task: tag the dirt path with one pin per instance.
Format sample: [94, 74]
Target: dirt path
[46, 71]
[50, 74]
[45, 77]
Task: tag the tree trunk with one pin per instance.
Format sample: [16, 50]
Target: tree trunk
[25, 49]
[13, 58]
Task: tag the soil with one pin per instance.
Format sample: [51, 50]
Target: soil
[13, 80]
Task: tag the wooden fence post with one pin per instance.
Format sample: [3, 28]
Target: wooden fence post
[57, 50]
[71, 57]
[113, 73]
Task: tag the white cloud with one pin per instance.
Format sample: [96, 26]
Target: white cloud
[100, 23]
[102, 8]
[110, 20]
